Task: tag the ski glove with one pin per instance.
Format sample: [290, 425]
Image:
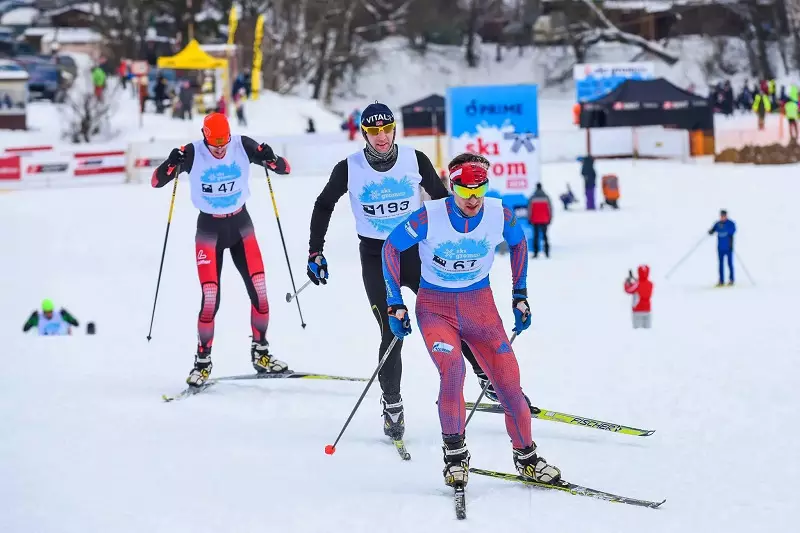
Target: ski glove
[266, 154]
[400, 327]
[522, 313]
[177, 156]
[317, 268]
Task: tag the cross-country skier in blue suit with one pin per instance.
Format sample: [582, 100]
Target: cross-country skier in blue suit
[724, 228]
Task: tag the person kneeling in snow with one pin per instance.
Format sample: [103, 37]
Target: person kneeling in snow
[50, 323]
[642, 290]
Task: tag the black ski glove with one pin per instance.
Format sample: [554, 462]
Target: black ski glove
[177, 156]
[265, 154]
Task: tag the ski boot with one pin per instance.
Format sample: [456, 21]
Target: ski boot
[202, 367]
[490, 393]
[456, 461]
[532, 466]
[394, 423]
[263, 362]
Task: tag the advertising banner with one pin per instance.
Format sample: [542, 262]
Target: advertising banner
[593, 80]
[500, 122]
[10, 168]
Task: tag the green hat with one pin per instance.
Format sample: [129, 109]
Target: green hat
[47, 305]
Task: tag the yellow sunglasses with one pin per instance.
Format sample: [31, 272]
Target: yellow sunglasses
[468, 192]
[374, 130]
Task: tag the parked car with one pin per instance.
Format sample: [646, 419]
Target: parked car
[45, 81]
[11, 48]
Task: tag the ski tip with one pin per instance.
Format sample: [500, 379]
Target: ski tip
[166, 398]
[657, 505]
[648, 433]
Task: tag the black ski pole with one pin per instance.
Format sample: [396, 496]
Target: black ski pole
[485, 387]
[685, 257]
[331, 448]
[283, 241]
[163, 253]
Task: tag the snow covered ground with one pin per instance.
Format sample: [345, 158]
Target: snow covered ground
[87, 445]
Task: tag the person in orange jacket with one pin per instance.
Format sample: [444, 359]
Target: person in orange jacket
[610, 185]
[642, 291]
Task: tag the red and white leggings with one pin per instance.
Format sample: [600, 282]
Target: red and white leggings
[235, 232]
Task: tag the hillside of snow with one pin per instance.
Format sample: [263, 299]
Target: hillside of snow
[398, 75]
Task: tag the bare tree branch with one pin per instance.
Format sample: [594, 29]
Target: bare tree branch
[613, 34]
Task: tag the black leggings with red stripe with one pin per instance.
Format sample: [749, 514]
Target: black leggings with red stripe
[235, 232]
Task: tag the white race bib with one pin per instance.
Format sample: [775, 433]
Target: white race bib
[454, 260]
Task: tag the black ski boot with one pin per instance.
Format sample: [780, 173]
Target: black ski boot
[456, 461]
[532, 466]
[394, 424]
[263, 362]
[490, 393]
[202, 367]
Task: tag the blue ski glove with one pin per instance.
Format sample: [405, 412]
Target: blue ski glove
[522, 313]
[317, 268]
[400, 326]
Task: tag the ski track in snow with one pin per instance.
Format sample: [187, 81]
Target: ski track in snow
[87, 445]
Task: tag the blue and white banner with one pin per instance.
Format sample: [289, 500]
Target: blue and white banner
[593, 80]
[500, 122]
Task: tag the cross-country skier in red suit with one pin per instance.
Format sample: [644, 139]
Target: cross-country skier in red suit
[457, 237]
[219, 173]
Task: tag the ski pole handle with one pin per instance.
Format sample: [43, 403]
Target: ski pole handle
[485, 387]
[290, 296]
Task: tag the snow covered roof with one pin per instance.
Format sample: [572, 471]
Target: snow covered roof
[221, 47]
[90, 8]
[209, 13]
[658, 6]
[65, 35]
[21, 16]
[10, 70]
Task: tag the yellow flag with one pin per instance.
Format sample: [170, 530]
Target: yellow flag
[255, 78]
[233, 21]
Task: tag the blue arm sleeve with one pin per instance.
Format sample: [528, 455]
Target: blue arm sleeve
[403, 237]
[518, 246]
[733, 227]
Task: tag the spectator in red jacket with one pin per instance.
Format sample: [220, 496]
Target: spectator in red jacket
[642, 290]
[540, 214]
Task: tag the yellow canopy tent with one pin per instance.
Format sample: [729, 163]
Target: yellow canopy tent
[195, 58]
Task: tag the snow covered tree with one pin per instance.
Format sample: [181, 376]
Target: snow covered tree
[85, 117]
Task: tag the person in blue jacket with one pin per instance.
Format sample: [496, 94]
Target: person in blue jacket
[724, 228]
[456, 239]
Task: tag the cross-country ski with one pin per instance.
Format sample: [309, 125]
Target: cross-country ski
[571, 488]
[555, 416]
